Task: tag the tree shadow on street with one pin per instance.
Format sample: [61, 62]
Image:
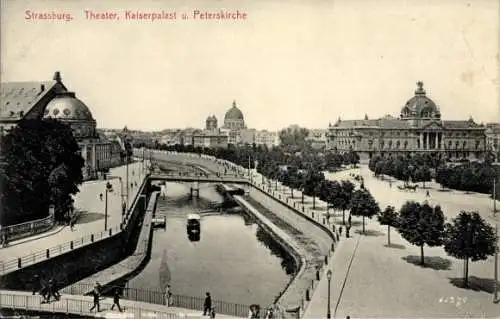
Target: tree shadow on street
[318, 208]
[396, 246]
[433, 262]
[475, 284]
[88, 217]
[369, 232]
[353, 223]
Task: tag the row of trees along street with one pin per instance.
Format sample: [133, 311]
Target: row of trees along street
[467, 237]
[465, 176]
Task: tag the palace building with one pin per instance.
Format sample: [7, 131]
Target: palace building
[418, 129]
[51, 99]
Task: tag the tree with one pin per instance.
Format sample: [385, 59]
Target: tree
[43, 165]
[363, 204]
[469, 237]
[423, 174]
[294, 139]
[420, 225]
[312, 182]
[353, 158]
[388, 217]
[344, 200]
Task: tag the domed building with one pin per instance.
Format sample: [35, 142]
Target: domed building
[418, 129]
[52, 100]
[234, 119]
[70, 110]
[234, 122]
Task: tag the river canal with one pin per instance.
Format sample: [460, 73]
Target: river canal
[234, 259]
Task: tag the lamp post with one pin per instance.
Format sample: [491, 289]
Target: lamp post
[329, 277]
[121, 192]
[495, 281]
[109, 188]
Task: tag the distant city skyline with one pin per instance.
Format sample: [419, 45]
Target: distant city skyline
[293, 63]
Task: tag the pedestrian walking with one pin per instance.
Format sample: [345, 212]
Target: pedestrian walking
[96, 294]
[36, 284]
[340, 230]
[72, 223]
[427, 193]
[116, 300]
[207, 305]
[168, 296]
[100, 196]
[270, 313]
[44, 292]
[53, 290]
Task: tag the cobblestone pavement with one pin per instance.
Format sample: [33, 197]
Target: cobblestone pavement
[92, 218]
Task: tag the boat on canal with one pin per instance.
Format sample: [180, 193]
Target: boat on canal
[193, 224]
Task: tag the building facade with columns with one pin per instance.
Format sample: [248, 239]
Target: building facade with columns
[493, 139]
[418, 129]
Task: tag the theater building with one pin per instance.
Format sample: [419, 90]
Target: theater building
[51, 99]
[418, 129]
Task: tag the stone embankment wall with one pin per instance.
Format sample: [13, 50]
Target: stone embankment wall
[83, 261]
[312, 231]
[127, 267]
[288, 243]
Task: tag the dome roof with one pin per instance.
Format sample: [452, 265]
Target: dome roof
[65, 106]
[420, 105]
[234, 113]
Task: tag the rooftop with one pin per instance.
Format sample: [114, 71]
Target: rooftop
[18, 98]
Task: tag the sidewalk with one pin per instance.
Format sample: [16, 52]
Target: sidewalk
[92, 217]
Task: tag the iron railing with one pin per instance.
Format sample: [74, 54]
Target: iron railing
[74, 306]
[158, 297]
[33, 258]
[30, 228]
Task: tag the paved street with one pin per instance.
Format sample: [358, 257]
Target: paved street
[381, 283]
[92, 219]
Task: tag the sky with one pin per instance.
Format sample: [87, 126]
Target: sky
[289, 62]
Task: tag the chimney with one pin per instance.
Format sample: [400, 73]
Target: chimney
[57, 76]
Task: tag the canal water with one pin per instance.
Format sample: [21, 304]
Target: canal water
[235, 259]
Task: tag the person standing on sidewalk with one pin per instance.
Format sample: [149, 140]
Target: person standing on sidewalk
[116, 299]
[168, 296]
[36, 284]
[207, 305]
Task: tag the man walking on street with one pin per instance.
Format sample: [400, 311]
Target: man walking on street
[53, 291]
[36, 284]
[96, 294]
[208, 304]
[116, 300]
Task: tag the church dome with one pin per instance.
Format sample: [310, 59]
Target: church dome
[65, 106]
[234, 113]
[420, 106]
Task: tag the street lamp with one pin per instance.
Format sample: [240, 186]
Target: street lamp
[329, 277]
[124, 206]
[109, 188]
